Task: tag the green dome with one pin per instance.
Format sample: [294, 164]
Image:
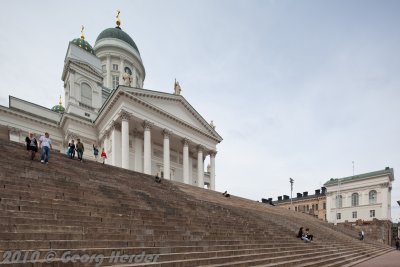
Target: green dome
[58, 108]
[117, 33]
[83, 44]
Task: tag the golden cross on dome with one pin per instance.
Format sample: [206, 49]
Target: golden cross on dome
[118, 20]
[82, 33]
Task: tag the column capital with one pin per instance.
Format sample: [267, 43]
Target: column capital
[212, 153]
[166, 133]
[115, 125]
[185, 141]
[124, 115]
[137, 133]
[147, 125]
[200, 148]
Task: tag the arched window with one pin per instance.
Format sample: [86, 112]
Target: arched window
[339, 201]
[372, 197]
[354, 199]
[86, 94]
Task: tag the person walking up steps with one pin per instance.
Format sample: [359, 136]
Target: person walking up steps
[95, 152]
[45, 144]
[103, 155]
[71, 149]
[31, 145]
[79, 149]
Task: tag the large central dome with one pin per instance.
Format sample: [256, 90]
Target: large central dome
[117, 33]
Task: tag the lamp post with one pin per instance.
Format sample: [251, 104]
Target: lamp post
[291, 192]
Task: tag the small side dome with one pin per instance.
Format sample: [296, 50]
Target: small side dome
[83, 44]
[58, 108]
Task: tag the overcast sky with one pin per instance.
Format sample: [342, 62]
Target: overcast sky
[296, 88]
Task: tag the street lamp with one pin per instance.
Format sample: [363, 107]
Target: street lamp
[291, 192]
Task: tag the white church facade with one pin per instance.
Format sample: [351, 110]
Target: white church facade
[105, 104]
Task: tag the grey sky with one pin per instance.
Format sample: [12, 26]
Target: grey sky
[296, 88]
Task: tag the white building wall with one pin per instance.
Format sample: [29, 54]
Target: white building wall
[362, 187]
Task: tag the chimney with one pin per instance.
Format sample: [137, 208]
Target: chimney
[270, 199]
[299, 195]
[285, 197]
[305, 193]
[317, 192]
[280, 198]
[263, 200]
[323, 190]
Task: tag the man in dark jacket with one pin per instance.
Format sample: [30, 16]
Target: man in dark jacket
[79, 149]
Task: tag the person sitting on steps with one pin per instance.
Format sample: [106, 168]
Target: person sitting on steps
[302, 235]
[307, 234]
[157, 179]
[226, 194]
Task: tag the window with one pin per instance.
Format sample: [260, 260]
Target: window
[372, 197]
[115, 67]
[295, 208]
[324, 205]
[308, 208]
[354, 214]
[354, 199]
[115, 81]
[338, 216]
[316, 206]
[313, 207]
[339, 201]
[86, 94]
[372, 213]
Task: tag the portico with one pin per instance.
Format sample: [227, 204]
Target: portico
[144, 144]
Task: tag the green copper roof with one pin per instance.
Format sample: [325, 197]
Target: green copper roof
[83, 44]
[117, 33]
[387, 170]
[58, 108]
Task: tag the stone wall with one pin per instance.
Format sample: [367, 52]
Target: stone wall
[378, 230]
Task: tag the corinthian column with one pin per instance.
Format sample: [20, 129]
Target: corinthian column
[167, 174]
[125, 138]
[200, 168]
[147, 147]
[212, 170]
[116, 144]
[185, 161]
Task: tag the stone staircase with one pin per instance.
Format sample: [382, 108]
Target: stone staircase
[89, 209]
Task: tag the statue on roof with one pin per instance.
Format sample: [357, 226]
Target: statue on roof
[212, 124]
[127, 78]
[82, 33]
[177, 88]
[118, 20]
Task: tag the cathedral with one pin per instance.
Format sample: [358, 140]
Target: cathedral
[153, 132]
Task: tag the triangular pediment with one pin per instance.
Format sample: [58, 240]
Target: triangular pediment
[175, 105]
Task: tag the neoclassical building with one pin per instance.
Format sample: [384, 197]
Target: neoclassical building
[364, 196]
[105, 104]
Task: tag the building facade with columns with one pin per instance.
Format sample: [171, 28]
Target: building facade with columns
[143, 130]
